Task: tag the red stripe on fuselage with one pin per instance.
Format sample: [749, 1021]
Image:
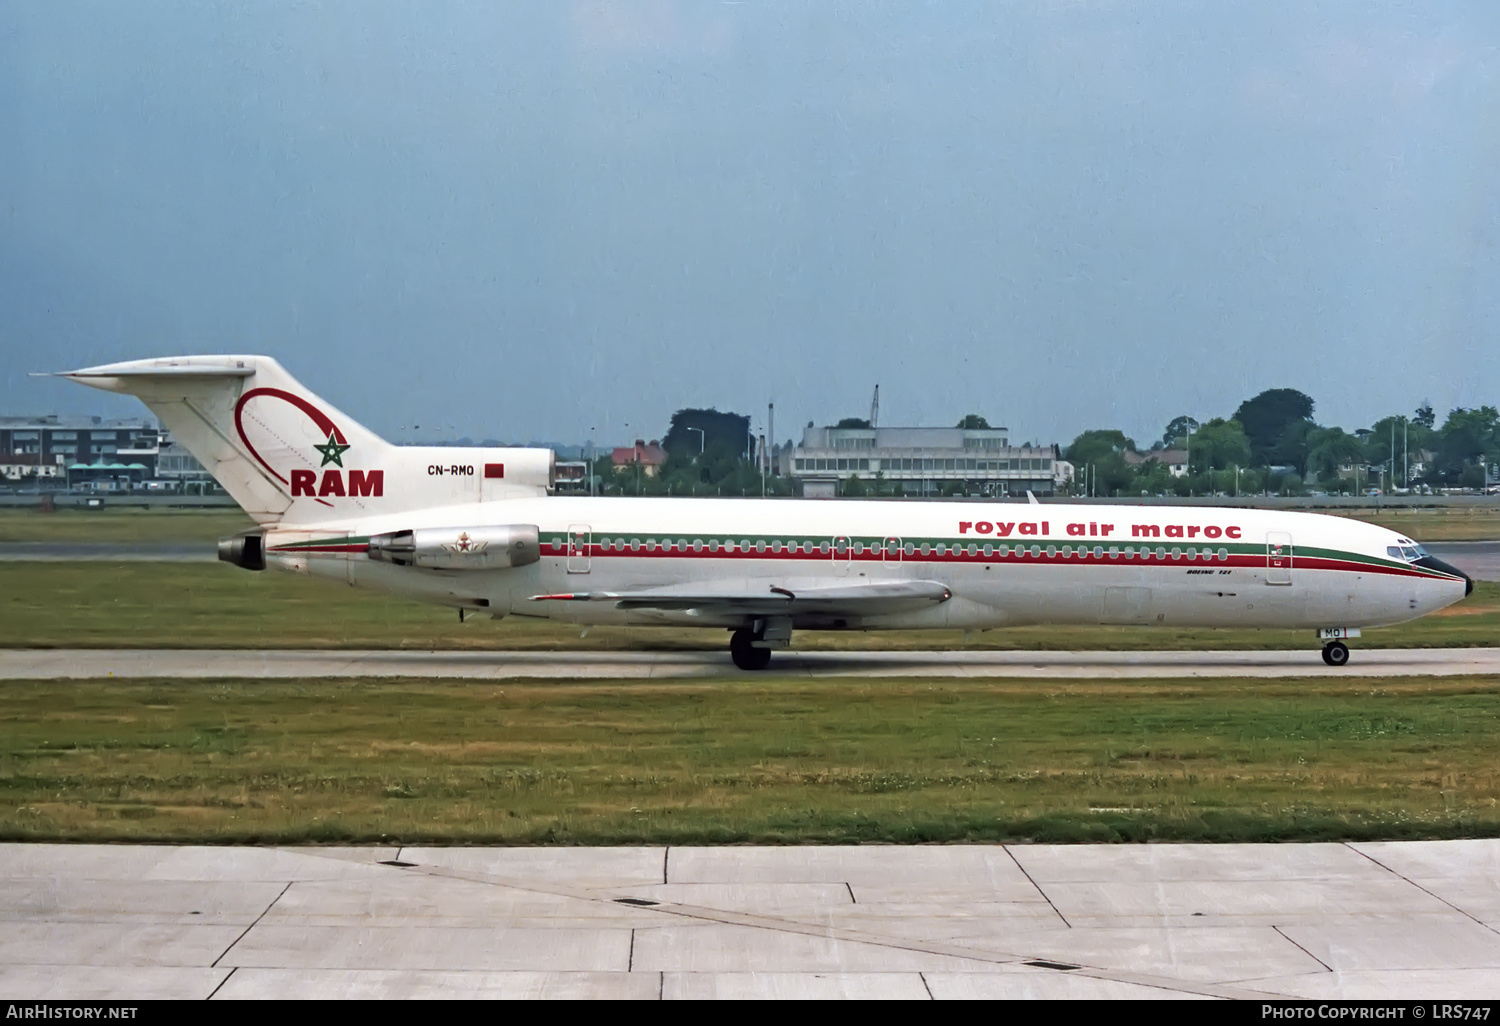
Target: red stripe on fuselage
[1238, 561]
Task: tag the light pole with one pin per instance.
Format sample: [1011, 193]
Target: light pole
[702, 439]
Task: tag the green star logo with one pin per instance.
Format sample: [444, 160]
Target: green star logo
[333, 452]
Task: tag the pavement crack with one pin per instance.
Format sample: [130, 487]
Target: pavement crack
[1424, 890]
[665, 854]
[1038, 887]
[252, 925]
[630, 960]
[1280, 932]
[852, 899]
[222, 982]
[926, 986]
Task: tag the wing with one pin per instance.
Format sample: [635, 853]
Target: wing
[873, 598]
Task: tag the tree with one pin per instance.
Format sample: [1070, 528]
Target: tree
[724, 434]
[1105, 450]
[1294, 446]
[1424, 416]
[1152, 478]
[1467, 437]
[1331, 448]
[973, 422]
[1093, 446]
[1219, 445]
[1267, 417]
[1178, 430]
[853, 422]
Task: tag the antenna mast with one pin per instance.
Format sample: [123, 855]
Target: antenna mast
[875, 408]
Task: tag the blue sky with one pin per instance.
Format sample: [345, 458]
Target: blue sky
[534, 220]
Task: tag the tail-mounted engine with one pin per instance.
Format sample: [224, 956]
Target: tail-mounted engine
[247, 551]
[459, 548]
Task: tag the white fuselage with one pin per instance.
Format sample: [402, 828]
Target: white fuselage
[1006, 563]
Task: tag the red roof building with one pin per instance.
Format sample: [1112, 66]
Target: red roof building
[648, 455]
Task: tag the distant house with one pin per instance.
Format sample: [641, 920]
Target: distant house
[1175, 460]
[649, 456]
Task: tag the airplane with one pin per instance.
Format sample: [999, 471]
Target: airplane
[477, 529]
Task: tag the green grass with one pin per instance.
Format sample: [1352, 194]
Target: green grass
[1453, 523]
[121, 525]
[779, 760]
[191, 605]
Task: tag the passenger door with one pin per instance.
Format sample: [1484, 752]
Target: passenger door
[1279, 557]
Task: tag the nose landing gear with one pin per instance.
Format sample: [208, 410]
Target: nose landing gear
[1335, 653]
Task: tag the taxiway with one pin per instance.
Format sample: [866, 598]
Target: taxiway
[1373, 920]
[54, 664]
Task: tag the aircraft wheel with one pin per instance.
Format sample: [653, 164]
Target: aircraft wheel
[745, 655]
[1335, 653]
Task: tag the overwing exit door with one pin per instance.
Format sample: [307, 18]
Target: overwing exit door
[580, 537]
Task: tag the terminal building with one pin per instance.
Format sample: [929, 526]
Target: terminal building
[920, 461]
[94, 454]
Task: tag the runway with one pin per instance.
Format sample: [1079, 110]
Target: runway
[1398, 921]
[108, 552]
[54, 664]
[1479, 559]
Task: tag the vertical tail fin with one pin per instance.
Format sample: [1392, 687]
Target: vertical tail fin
[269, 441]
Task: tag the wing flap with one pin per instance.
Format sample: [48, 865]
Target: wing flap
[872, 598]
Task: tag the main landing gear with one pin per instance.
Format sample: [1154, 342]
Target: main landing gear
[744, 653]
[750, 647]
[1335, 653]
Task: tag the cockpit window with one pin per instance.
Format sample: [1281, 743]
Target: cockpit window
[1394, 551]
[1407, 552]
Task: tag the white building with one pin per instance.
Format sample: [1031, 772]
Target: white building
[921, 461]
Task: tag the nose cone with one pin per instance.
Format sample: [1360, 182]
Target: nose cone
[1433, 563]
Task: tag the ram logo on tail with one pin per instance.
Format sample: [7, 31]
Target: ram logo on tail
[259, 416]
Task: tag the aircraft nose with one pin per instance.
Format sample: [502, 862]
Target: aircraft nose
[1433, 563]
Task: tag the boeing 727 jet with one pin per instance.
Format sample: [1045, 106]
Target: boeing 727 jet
[477, 529]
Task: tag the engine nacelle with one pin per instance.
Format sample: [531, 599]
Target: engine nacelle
[247, 551]
[459, 548]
